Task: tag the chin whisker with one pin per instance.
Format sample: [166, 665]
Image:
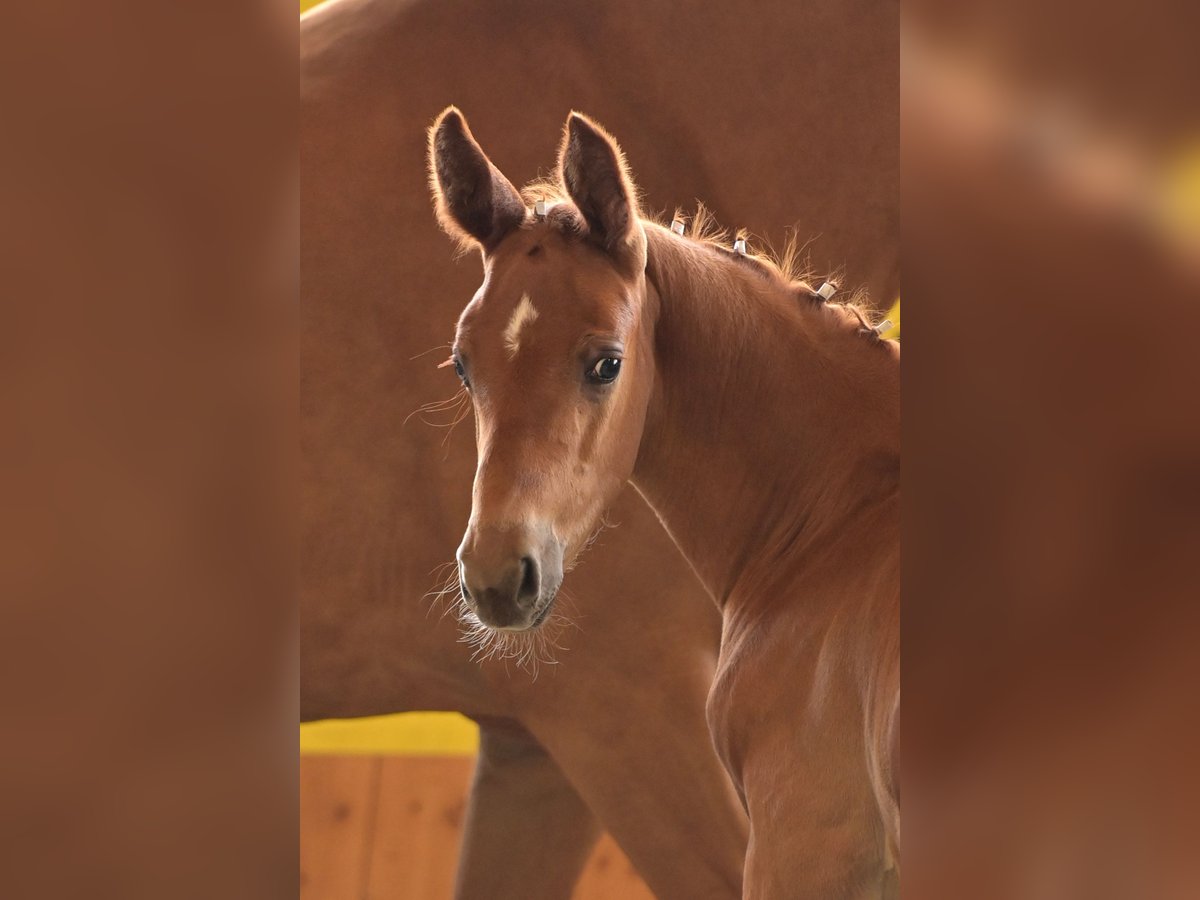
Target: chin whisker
[566, 612]
[527, 650]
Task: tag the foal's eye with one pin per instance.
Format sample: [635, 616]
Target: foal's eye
[605, 371]
[462, 373]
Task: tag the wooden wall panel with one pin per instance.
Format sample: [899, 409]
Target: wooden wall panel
[388, 828]
[610, 876]
[422, 804]
[337, 818]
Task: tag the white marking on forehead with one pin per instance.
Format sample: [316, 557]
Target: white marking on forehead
[522, 315]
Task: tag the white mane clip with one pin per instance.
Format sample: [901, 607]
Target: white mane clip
[826, 290]
[739, 246]
[677, 227]
[539, 209]
[883, 326]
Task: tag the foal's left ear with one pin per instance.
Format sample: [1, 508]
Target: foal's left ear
[593, 171]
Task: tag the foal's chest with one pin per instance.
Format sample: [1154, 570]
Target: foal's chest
[782, 692]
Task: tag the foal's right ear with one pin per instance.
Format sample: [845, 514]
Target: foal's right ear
[473, 200]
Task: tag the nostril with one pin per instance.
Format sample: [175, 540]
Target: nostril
[529, 579]
[462, 581]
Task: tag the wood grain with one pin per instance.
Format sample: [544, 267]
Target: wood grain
[388, 828]
[337, 817]
[610, 876]
[422, 804]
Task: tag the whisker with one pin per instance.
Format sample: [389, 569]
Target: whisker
[567, 615]
[437, 406]
[446, 346]
[527, 650]
[463, 412]
[587, 544]
[450, 588]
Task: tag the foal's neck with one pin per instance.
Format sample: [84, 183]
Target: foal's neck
[773, 417]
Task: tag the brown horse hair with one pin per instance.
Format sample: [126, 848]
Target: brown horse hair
[790, 266]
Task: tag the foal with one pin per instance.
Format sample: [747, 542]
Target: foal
[761, 424]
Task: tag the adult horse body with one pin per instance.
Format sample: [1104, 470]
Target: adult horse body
[762, 425]
[618, 738]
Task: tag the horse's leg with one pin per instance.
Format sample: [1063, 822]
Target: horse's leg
[812, 841]
[805, 874]
[528, 834]
[891, 885]
[658, 788]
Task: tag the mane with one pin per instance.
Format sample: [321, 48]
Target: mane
[789, 266]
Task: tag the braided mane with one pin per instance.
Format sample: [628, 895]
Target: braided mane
[789, 265]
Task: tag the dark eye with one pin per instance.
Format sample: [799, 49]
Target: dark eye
[605, 371]
[462, 373]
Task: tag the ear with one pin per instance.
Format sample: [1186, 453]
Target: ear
[473, 200]
[593, 171]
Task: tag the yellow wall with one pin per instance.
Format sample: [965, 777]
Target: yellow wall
[894, 315]
[417, 733]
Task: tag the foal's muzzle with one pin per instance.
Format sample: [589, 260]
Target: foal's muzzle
[510, 575]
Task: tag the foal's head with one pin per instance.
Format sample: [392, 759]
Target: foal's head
[555, 353]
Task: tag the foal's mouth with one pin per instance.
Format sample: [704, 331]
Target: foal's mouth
[529, 646]
[544, 612]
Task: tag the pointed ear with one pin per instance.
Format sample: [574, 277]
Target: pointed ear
[593, 171]
[473, 200]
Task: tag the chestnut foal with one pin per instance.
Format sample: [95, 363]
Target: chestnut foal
[763, 426]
